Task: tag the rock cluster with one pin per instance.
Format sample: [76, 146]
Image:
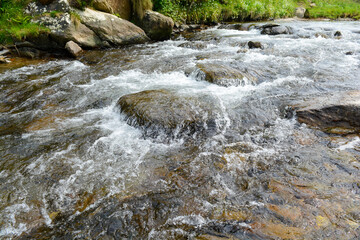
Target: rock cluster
[90, 28]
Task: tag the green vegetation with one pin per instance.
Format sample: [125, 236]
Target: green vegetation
[334, 9]
[15, 24]
[224, 10]
[205, 11]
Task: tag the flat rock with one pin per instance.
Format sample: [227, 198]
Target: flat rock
[224, 75]
[162, 111]
[275, 29]
[340, 110]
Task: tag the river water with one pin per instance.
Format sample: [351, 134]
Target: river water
[72, 168]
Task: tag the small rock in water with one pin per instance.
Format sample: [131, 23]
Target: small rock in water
[193, 45]
[224, 75]
[349, 53]
[252, 45]
[73, 48]
[338, 34]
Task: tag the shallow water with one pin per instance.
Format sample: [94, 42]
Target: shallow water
[72, 168]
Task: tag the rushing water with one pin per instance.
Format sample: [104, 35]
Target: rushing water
[72, 168]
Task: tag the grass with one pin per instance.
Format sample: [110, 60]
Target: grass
[207, 11]
[334, 9]
[15, 25]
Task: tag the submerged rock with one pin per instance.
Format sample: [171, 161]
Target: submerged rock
[156, 25]
[193, 45]
[224, 75]
[162, 111]
[334, 111]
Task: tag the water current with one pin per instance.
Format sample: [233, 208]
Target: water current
[73, 168]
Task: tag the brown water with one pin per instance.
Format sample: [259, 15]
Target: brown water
[72, 168]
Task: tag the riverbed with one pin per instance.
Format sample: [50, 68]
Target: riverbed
[72, 167]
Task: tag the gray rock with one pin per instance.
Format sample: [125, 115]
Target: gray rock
[224, 75]
[73, 48]
[340, 110]
[300, 12]
[4, 52]
[157, 26]
[28, 52]
[109, 28]
[276, 30]
[162, 111]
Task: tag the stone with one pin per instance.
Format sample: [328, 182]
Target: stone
[252, 45]
[312, 5]
[337, 34]
[275, 29]
[157, 26]
[323, 35]
[73, 48]
[111, 29]
[28, 52]
[332, 111]
[224, 75]
[300, 12]
[159, 112]
[237, 26]
[102, 5]
[4, 52]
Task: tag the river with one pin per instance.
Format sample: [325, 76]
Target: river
[73, 168]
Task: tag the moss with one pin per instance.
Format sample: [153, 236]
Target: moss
[16, 25]
[207, 11]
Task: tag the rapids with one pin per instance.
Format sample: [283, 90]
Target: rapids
[72, 168]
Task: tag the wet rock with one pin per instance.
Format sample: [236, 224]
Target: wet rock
[300, 12]
[162, 111]
[224, 75]
[337, 34]
[237, 26]
[4, 52]
[109, 28]
[349, 53]
[333, 111]
[252, 45]
[323, 35]
[275, 29]
[193, 45]
[73, 48]
[157, 26]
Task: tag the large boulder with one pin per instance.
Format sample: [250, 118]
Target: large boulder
[224, 75]
[301, 12]
[157, 26]
[162, 111]
[341, 110]
[116, 31]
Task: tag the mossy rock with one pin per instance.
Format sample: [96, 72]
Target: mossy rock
[160, 112]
